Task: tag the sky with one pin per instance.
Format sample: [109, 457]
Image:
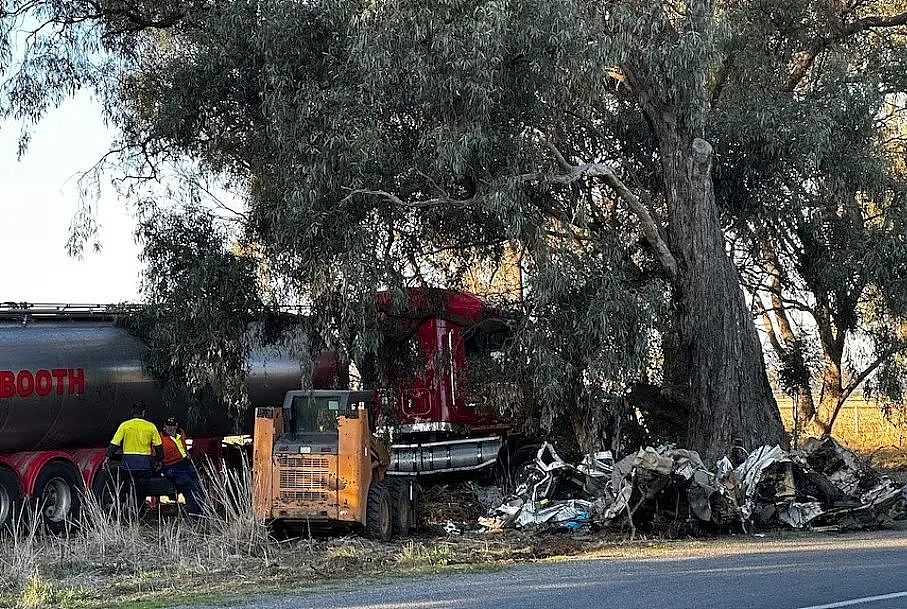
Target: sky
[38, 197]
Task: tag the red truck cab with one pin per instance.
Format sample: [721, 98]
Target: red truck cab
[437, 418]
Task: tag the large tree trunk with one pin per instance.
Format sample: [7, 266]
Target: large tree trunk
[729, 390]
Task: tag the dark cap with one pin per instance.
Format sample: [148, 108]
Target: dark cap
[170, 421]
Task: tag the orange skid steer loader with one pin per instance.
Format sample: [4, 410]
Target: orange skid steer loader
[317, 462]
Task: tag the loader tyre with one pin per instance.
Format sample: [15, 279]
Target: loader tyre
[378, 518]
[402, 492]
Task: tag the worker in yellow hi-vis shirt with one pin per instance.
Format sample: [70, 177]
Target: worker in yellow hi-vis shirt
[141, 444]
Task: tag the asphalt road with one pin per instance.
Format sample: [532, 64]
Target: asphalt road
[868, 572]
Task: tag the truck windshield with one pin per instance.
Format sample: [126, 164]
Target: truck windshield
[315, 415]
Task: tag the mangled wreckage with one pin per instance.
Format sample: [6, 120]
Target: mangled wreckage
[668, 489]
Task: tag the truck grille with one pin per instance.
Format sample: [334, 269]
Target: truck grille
[303, 478]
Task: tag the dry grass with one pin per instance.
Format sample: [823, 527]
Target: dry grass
[891, 459]
[116, 559]
[455, 502]
[116, 554]
[862, 425]
[112, 557]
[415, 555]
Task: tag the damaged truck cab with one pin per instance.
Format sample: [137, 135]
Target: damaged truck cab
[317, 462]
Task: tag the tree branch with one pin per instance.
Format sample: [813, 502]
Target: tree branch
[422, 204]
[855, 382]
[603, 172]
[807, 57]
[767, 326]
[572, 173]
[852, 386]
[876, 21]
[721, 77]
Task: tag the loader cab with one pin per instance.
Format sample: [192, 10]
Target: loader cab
[315, 418]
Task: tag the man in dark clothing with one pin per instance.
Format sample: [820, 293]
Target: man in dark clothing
[178, 467]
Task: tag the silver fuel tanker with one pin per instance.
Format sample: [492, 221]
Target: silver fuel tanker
[69, 376]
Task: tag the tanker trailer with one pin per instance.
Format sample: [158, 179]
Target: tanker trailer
[68, 376]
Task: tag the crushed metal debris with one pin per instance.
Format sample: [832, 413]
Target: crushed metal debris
[821, 486]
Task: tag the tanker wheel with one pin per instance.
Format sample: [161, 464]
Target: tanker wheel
[402, 494]
[105, 489]
[378, 520]
[56, 495]
[10, 499]
[114, 495]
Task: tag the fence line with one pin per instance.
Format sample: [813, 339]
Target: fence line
[861, 425]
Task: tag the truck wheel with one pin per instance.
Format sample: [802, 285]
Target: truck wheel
[378, 521]
[402, 492]
[515, 463]
[56, 495]
[10, 499]
[112, 490]
[104, 489]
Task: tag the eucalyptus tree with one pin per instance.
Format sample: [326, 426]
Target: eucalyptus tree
[814, 191]
[375, 143]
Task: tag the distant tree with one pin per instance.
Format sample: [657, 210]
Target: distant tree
[815, 190]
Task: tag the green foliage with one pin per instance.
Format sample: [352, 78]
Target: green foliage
[809, 177]
[588, 334]
[321, 110]
[797, 365]
[201, 300]
[397, 144]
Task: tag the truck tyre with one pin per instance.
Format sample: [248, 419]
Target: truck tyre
[10, 499]
[113, 492]
[56, 495]
[515, 464]
[378, 519]
[402, 492]
[104, 489]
